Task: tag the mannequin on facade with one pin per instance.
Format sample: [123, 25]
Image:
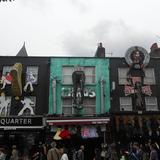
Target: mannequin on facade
[31, 79]
[6, 79]
[28, 104]
[78, 78]
[136, 76]
[4, 103]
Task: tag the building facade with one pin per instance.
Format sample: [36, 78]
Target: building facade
[134, 82]
[79, 101]
[24, 81]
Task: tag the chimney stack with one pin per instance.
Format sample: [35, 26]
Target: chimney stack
[100, 53]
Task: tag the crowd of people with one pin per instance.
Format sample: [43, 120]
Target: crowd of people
[43, 152]
[134, 151]
[113, 151]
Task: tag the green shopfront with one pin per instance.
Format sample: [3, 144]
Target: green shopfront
[79, 103]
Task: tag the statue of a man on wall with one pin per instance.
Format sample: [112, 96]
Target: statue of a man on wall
[78, 78]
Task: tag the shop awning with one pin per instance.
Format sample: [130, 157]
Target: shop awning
[77, 121]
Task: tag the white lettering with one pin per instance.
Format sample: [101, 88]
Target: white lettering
[68, 92]
[92, 94]
[29, 121]
[3, 121]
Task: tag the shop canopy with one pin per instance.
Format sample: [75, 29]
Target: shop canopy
[77, 121]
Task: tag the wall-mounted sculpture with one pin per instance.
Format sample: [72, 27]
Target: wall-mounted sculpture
[16, 73]
[137, 58]
[6, 79]
[27, 104]
[4, 104]
[78, 78]
[31, 79]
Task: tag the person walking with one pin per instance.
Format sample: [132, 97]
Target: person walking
[97, 154]
[80, 154]
[153, 154]
[63, 151]
[2, 154]
[53, 153]
[14, 155]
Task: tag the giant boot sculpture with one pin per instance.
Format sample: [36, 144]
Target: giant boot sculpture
[16, 73]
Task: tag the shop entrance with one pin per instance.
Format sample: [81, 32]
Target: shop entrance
[24, 140]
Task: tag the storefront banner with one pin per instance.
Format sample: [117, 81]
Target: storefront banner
[14, 123]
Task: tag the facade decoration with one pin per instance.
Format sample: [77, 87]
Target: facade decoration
[137, 58]
[4, 104]
[30, 81]
[87, 92]
[79, 82]
[78, 78]
[6, 79]
[22, 111]
[79, 100]
[31, 78]
[27, 104]
[16, 73]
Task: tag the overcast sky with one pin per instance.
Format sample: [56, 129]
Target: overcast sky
[75, 27]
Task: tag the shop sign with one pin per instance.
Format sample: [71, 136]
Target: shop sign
[20, 122]
[88, 92]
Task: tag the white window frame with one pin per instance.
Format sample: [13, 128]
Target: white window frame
[151, 106]
[69, 75]
[122, 75]
[149, 76]
[126, 107]
[34, 70]
[74, 111]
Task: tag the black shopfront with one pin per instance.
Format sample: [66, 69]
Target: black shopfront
[24, 132]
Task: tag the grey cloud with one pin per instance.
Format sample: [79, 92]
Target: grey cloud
[82, 6]
[36, 4]
[116, 37]
[77, 45]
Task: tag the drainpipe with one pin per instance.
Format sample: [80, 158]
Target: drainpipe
[54, 95]
[102, 95]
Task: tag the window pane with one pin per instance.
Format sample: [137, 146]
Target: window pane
[67, 74]
[89, 105]
[151, 104]
[67, 111]
[6, 69]
[149, 76]
[125, 104]
[32, 74]
[67, 79]
[122, 75]
[5, 106]
[67, 70]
